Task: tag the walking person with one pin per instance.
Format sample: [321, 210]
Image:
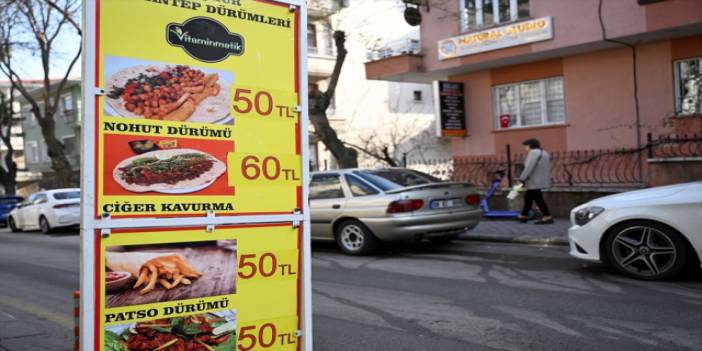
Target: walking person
[535, 177]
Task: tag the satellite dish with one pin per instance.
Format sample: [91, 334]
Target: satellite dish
[412, 16]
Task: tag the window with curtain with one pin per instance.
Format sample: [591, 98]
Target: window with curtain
[532, 103]
[688, 86]
[476, 14]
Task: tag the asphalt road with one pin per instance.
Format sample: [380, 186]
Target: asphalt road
[459, 296]
[38, 274]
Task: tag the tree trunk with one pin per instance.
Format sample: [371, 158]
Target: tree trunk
[59, 161]
[8, 174]
[320, 101]
[345, 156]
[9, 184]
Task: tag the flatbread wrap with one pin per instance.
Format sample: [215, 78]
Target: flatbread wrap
[171, 93]
[172, 170]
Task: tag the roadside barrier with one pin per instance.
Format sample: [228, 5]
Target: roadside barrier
[76, 316]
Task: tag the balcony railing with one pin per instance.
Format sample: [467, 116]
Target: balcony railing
[395, 48]
[322, 8]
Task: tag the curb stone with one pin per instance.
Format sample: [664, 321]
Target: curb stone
[556, 240]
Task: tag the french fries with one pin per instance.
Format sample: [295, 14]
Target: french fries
[168, 271]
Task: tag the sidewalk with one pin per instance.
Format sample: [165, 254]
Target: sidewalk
[515, 232]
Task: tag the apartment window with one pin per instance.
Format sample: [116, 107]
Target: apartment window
[688, 86]
[28, 115]
[44, 150]
[312, 38]
[417, 96]
[68, 108]
[532, 103]
[31, 152]
[70, 144]
[476, 14]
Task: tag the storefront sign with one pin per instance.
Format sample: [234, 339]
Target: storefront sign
[497, 38]
[195, 222]
[450, 109]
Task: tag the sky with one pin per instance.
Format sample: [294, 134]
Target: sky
[28, 62]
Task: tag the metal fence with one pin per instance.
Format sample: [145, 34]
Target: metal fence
[606, 168]
[399, 47]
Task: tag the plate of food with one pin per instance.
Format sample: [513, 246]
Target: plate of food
[117, 280]
[207, 331]
[169, 92]
[172, 171]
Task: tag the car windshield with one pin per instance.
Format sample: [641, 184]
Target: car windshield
[389, 179]
[67, 195]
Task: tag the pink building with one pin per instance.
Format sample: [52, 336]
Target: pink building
[578, 75]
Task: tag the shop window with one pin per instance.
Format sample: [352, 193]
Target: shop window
[688, 86]
[476, 14]
[527, 104]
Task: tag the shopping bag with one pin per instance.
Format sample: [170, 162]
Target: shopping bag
[515, 191]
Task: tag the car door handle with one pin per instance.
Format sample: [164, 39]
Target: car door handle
[336, 206]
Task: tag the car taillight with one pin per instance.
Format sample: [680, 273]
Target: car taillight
[405, 206]
[64, 205]
[473, 200]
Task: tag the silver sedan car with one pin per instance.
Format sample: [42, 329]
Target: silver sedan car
[358, 208]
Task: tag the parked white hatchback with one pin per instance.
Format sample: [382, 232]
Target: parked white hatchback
[646, 234]
[47, 210]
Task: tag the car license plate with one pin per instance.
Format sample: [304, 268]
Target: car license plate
[446, 203]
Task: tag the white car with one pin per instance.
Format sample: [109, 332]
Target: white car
[646, 234]
[47, 210]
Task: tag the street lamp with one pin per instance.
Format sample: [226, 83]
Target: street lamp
[413, 16]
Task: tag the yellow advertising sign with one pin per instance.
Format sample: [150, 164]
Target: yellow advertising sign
[200, 109]
[182, 284]
[193, 217]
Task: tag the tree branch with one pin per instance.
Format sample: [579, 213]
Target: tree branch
[68, 16]
[62, 84]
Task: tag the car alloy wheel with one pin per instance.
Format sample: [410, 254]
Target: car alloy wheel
[44, 225]
[355, 239]
[647, 251]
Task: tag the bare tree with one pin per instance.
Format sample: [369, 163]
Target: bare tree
[319, 103]
[396, 143]
[34, 26]
[8, 171]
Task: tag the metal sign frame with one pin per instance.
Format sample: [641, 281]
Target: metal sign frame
[91, 93]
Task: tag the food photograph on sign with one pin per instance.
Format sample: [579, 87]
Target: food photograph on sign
[159, 165]
[136, 275]
[166, 91]
[199, 332]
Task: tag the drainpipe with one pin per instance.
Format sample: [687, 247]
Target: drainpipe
[636, 85]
